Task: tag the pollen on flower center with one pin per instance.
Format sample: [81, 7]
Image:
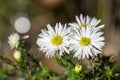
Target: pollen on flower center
[56, 40]
[83, 25]
[84, 41]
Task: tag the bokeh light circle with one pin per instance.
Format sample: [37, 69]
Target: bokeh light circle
[22, 25]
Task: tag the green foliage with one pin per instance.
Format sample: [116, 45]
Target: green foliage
[35, 73]
[3, 72]
[10, 7]
[102, 69]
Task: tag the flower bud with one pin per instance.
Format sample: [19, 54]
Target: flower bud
[78, 68]
[17, 55]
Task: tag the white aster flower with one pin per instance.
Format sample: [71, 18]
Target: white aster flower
[53, 40]
[13, 40]
[86, 22]
[86, 43]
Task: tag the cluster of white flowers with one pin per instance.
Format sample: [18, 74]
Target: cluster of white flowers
[87, 39]
[84, 38]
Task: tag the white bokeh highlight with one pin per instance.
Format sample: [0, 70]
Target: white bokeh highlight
[22, 25]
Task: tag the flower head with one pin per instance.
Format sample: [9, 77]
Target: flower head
[86, 22]
[53, 40]
[78, 68]
[86, 42]
[13, 40]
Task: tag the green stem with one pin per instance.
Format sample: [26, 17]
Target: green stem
[70, 59]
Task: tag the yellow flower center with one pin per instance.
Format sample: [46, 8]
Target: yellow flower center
[83, 25]
[78, 68]
[56, 40]
[84, 41]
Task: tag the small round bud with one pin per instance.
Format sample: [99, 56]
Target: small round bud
[17, 55]
[78, 68]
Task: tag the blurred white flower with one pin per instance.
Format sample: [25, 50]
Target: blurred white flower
[13, 40]
[22, 25]
[86, 43]
[86, 22]
[54, 40]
